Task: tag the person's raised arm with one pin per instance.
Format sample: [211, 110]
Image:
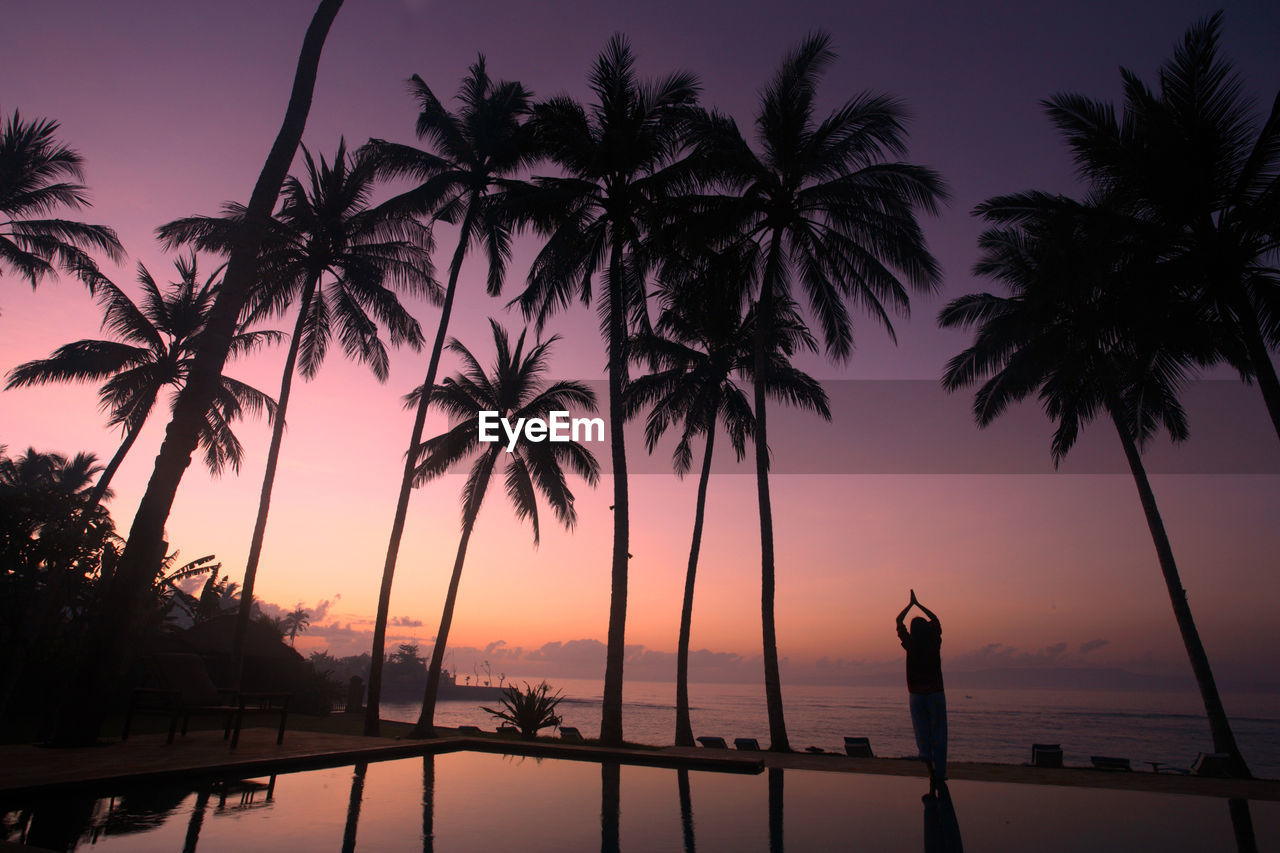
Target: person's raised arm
[903, 614]
[927, 612]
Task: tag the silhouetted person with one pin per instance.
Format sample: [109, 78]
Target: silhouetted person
[924, 684]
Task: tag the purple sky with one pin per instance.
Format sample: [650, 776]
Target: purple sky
[175, 105]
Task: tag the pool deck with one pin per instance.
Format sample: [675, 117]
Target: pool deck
[27, 769]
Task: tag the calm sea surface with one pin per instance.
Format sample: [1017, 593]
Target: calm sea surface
[984, 725]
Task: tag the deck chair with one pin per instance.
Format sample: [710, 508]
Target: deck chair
[571, 734]
[1046, 755]
[1106, 762]
[508, 730]
[1207, 764]
[469, 730]
[747, 743]
[713, 742]
[184, 689]
[858, 747]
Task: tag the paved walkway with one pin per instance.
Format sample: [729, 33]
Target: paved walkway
[25, 768]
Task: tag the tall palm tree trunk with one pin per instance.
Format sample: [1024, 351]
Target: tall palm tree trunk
[1223, 739]
[104, 481]
[684, 726]
[427, 716]
[611, 712]
[772, 676]
[1259, 359]
[268, 481]
[109, 638]
[372, 722]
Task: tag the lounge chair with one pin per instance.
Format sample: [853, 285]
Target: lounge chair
[1106, 762]
[508, 730]
[858, 747]
[1046, 755]
[747, 743]
[1207, 764]
[713, 742]
[571, 734]
[185, 690]
[469, 730]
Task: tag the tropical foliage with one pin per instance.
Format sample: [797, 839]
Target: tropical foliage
[620, 158]
[153, 348]
[530, 710]
[516, 390]
[701, 347]
[831, 212]
[477, 150]
[1086, 327]
[39, 175]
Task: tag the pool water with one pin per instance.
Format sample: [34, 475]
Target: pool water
[481, 802]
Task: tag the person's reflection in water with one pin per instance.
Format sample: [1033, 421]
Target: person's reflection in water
[941, 828]
[610, 805]
[686, 811]
[775, 810]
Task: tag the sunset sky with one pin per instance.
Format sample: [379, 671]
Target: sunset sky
[174, 105]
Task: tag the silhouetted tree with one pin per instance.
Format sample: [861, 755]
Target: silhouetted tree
[1191, 159]
[333, 254]
[476, 149]
[155, 343]
[831, 212]
[1086, 327]
[515, 390]
[110, 635]
[38, 175]
[620, 158]
[701, 346]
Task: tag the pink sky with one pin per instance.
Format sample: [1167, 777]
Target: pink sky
[174, 106]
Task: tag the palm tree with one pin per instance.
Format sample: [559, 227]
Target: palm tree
[153, 348]
[295, 623]
[1086, 327]
[515, 389]
[700, 346]
[334, 254]
[620, 161]
[106, 648]
[478, 148]
[38, 175]
[826, 206]
[50, 549]
[1192, 158]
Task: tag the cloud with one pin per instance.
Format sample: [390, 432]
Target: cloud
[1092, 645]
[405, 622]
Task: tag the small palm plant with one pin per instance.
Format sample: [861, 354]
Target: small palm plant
[530, 710]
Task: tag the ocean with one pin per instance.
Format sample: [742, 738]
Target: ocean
[998, 725]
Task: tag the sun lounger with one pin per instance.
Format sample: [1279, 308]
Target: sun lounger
[509, 731]
[1105, 762]
[571, 734]
[748, 743]
[470, 730]
[1206, 764]
[858, 747]
[1046, 755]
[185, 690]
[712, 742]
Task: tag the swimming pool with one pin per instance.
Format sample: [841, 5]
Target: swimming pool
[470, 801]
